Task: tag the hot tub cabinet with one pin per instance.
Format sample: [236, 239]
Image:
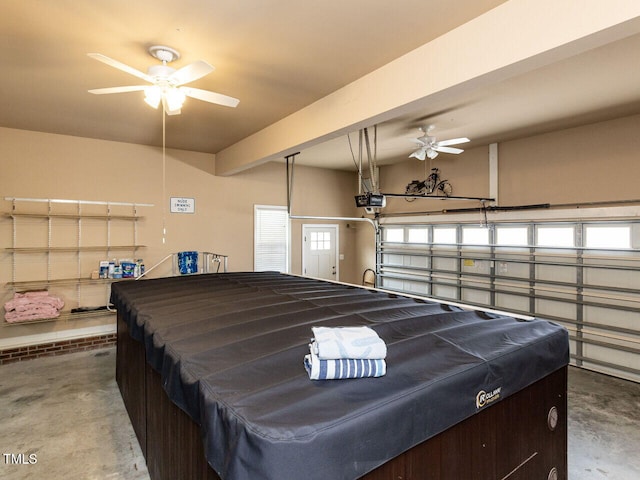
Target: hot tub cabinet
[210, 371]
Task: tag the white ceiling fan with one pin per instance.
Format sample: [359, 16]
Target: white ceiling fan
[167, 83]
[430, 148]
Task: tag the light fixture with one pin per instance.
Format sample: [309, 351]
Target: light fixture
[423, 153]
[174, 98]
[420, 154]
[153, 95]
[168, 84]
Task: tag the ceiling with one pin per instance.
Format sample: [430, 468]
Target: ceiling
[278, 57]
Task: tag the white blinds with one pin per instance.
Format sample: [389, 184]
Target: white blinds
[271, 245]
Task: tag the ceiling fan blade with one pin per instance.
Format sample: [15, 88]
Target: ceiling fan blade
[120, 66]
[190, 73]
[103, 91]
[210, 97]
[453, 141]
[448, 149]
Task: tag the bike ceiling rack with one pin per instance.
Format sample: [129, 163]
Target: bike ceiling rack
[413, 195]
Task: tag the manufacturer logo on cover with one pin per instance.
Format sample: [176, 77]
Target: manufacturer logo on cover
[484, 398]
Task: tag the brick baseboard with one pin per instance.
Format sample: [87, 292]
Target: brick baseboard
[55, 348]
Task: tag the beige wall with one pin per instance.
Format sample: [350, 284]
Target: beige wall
[593, 163]
[38, 165]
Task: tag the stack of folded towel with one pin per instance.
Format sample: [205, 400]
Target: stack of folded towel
[345, 352]
[36, 305]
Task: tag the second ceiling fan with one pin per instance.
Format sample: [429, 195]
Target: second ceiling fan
[429, 147]
[167, 83]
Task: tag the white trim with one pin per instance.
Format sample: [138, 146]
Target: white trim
[40, 338]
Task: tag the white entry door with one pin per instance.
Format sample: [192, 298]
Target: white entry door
[320, 251]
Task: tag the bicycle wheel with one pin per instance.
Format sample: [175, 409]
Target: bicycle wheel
[412, 189]
[446, 188]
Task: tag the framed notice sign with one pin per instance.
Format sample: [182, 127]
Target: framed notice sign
[183, 205]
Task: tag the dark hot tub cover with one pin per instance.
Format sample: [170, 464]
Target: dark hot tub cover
[230, 348]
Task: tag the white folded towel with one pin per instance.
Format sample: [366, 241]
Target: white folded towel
[344, 368]
[347, 342]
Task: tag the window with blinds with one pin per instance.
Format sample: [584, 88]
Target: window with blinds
[271, 238]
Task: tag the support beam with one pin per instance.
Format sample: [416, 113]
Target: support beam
[291, 163]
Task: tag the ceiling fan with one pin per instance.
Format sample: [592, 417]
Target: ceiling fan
[166, 82]
[430, 148]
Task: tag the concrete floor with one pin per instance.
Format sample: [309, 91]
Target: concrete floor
[63, 418]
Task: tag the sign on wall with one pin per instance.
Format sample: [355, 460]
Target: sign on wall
[183, 205]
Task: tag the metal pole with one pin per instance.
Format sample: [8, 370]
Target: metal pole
[291, 159]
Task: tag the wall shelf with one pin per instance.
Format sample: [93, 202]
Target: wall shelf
[74, 216]
[38, 284]
[61, 228]
[95, 248]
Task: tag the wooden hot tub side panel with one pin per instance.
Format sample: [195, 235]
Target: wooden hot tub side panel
[130, 376]
[509, 439]
[174, 446]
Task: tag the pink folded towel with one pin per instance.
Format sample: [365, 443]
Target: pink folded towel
[32, 306]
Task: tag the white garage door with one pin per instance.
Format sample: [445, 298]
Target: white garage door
[584, 275]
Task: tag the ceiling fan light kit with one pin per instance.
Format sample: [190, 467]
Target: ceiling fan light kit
[167, 82]
[172, 98]
[153, 96]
